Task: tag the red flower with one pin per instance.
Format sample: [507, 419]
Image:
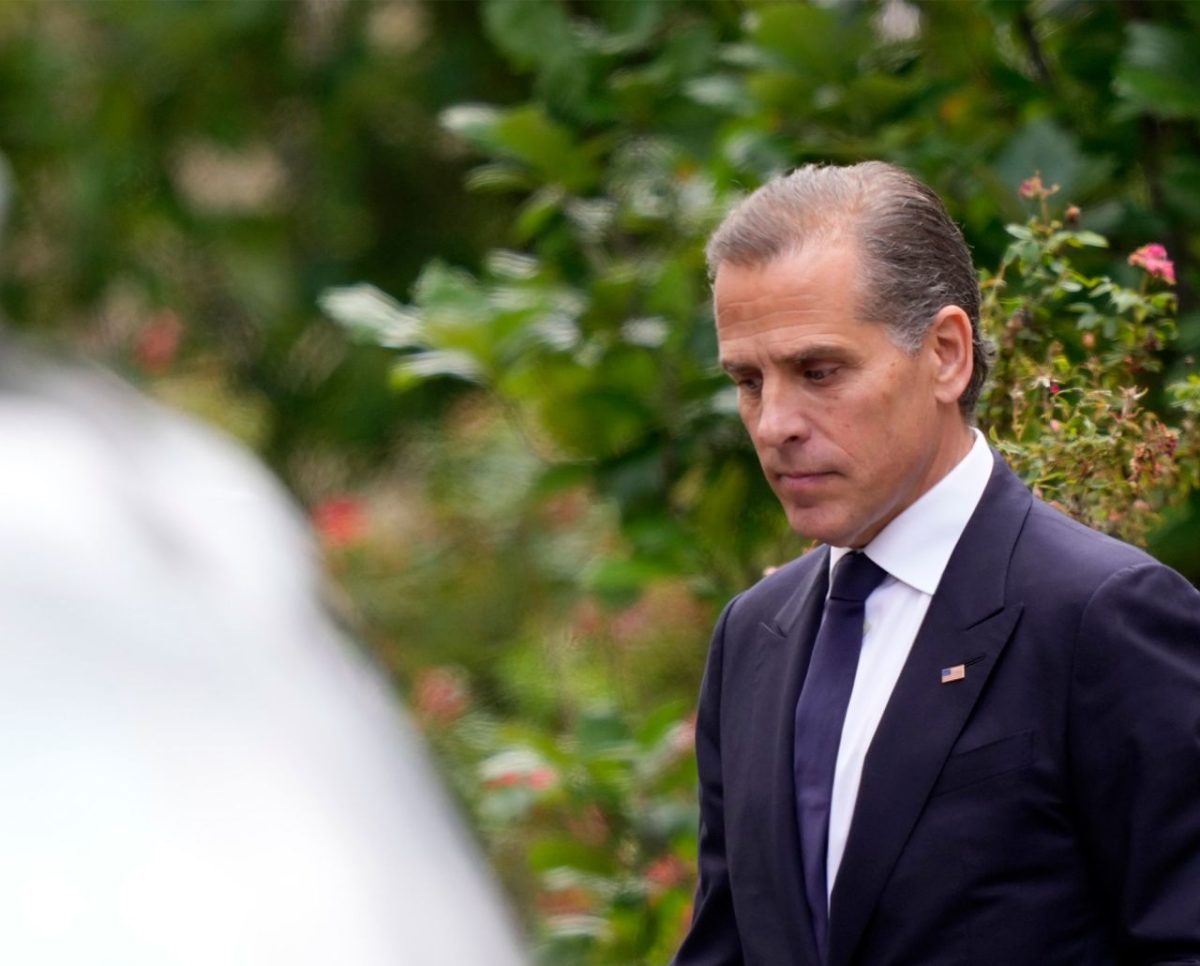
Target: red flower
[156, 345]
[441, 695]
[538, 779]
[340, 521]
[666, 872]
[1153, 258]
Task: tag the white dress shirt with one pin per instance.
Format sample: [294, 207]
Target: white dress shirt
[914, 550]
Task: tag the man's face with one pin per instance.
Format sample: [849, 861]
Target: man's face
[846, 424]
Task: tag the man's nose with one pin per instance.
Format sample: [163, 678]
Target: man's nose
[782, 416]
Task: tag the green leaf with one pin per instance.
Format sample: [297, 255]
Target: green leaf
[372, 316]
[450, 297]
[528, 134]
[527, 32]
[475, 123]
[722, 91]
[689, 50]
[537, 212]
[498, 177]
[631, 24]
[563, 83]
[674, 292]
[1089, 238]
[815, 41]
[596, 422]
[433, 364]
[567, 853]
[661, 722]
[757, 153]
[619, 582]
[1160, 72]
[601, 730]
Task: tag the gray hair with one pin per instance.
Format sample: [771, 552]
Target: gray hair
[915, 260]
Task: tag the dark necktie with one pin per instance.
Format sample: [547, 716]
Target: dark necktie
[820, 713]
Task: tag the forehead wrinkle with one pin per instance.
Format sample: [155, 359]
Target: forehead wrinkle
[790, 295]
[791, 290]
[783, 314]
[776, 308]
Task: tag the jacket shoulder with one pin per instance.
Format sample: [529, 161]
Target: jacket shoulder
[1062, 565]
[1064, 544]
[778, 587]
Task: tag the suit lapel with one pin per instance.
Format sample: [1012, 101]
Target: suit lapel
[967, 621]
[784, 648]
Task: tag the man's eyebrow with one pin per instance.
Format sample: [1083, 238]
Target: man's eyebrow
[794, 359]
[821, 351]
[735, 368]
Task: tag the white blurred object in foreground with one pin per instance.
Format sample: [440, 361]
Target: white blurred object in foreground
[195, 768]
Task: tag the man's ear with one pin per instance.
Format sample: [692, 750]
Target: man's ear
[950, 341]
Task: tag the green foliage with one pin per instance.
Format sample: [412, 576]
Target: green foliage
[594, 828]
[586, 331]
[188, 178]
[1159, 73]
[1066, 405]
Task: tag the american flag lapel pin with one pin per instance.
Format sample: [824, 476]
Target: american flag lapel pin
[956, 673]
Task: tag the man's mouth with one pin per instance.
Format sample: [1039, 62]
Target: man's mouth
[802, 481]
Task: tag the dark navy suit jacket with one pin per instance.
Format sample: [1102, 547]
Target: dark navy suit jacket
[1043, 810]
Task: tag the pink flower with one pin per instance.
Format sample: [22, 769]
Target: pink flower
[1035, 188]
[340, 521]
[541, 778]
[1153, 258]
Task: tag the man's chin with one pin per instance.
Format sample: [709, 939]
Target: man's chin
[812, 525]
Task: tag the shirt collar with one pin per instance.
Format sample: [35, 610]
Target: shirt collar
[916, 546]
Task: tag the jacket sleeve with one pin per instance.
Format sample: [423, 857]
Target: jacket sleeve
[1135, 752]
[713, 937]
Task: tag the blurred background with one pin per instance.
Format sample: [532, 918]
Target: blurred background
[440, 265]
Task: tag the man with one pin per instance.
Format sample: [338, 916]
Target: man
[978, 741]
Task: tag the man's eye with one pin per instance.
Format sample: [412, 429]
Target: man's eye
[819, 374]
